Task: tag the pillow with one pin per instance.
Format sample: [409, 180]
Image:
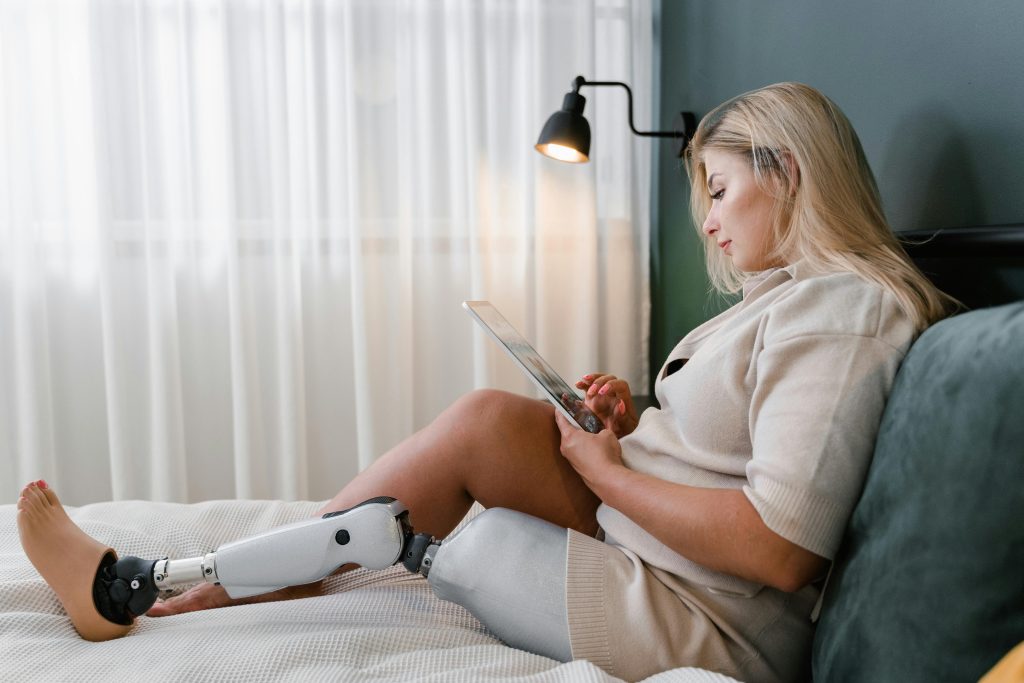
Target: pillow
[929, 583]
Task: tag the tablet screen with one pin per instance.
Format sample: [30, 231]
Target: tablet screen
[556, 389]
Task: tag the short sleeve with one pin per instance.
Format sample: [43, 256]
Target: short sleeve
[814, 417]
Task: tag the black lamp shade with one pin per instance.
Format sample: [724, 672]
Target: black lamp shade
[566, 135]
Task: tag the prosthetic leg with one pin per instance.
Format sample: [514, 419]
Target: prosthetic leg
[374, 534]
[507, 568]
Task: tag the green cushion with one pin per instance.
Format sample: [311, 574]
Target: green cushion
[929, 583]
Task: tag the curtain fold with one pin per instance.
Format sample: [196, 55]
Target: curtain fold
[235, 234]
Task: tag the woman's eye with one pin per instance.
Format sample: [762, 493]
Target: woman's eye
[718, 195]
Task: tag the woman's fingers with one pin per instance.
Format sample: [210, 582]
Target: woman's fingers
[593, 383]
[563, 424]
[599, 382]
[596, 384]
[609, 398]
[616, 387]
[602, 392]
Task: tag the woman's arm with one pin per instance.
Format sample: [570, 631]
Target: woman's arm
[717, 528]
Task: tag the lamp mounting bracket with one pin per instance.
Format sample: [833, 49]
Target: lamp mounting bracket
[684, 125]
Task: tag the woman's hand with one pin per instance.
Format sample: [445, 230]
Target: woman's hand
[609, 399]
[596, 457]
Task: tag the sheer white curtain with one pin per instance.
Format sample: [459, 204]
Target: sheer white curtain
[235, 235]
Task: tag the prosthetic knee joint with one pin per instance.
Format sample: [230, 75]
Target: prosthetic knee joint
[374, 534]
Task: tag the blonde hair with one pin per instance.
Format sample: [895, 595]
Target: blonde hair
[827, 211]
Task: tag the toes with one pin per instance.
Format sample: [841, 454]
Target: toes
[39, 496]
[49, 495]
[39, 493]
[32, 494]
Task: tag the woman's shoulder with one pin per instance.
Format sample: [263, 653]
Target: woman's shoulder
[838, 303]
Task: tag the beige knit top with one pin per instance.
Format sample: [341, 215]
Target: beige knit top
[781, 395]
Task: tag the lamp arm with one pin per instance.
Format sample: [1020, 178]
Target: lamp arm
[580, 81]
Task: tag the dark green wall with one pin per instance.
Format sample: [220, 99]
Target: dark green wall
[934, 88]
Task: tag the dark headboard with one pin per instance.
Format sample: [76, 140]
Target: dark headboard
[981, 266]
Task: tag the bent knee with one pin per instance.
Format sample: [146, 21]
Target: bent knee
[497, 522]
[483, 401]
[478, 536]
[499, 537]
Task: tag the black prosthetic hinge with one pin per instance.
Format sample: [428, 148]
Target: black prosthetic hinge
[414, 550]
[414, 547]
[124, 588]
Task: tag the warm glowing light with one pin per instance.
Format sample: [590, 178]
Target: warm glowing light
[561, 153]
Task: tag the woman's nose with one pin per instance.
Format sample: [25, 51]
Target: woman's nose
[710, 226]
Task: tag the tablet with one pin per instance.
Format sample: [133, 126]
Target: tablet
[555, 389]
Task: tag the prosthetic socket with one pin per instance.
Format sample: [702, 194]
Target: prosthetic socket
[374, 534]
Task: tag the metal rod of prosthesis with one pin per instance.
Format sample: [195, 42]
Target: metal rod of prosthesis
[168, 574]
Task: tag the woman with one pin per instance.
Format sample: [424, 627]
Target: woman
[700, 534]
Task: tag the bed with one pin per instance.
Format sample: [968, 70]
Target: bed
[371, 626]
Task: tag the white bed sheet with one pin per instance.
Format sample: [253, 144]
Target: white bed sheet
[372, 626]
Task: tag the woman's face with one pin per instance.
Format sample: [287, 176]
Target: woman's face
[740, 217]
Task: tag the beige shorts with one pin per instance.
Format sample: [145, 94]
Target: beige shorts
[634, 620]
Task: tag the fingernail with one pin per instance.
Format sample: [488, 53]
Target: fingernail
[42, 484]
[604, 389]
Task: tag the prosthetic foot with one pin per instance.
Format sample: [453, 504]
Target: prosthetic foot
[374, 534]
[66, 557]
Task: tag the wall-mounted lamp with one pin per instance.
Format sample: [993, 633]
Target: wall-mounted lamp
[566, 135]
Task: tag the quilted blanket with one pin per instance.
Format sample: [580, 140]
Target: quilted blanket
[371, 626]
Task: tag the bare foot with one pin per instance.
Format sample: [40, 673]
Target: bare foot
[210, 596]
[66, 557]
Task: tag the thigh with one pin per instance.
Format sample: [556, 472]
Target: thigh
[508, 569]
[498, 448]
[516, 462]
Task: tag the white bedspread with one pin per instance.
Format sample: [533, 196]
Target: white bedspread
[372, 626]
